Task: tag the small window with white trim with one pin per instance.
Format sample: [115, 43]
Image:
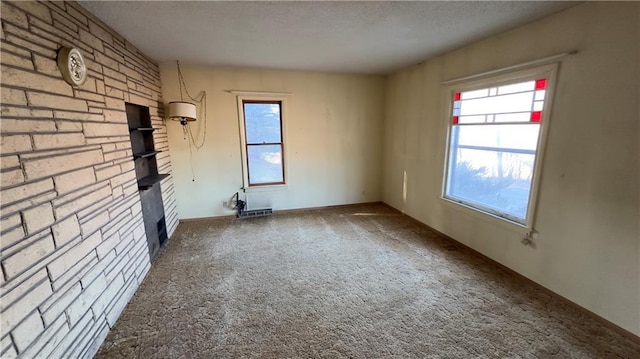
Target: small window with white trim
[262, 141]
[496, 129]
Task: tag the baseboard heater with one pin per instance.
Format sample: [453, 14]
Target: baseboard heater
[243, 213]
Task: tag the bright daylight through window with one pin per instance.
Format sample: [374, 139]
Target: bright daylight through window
[263, 142]
[494, 140]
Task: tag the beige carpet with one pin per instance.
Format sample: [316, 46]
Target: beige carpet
[348, 282]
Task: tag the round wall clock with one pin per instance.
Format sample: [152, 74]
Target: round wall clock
[71, 65]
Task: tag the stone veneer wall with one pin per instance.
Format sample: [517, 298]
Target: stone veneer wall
[73, 246]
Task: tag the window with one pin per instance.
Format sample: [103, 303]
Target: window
[495, 141]
[263, 145]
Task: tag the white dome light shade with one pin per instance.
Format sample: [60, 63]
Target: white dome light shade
[182, 111]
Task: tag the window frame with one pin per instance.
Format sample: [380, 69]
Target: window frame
[244, 146]
[549, 72]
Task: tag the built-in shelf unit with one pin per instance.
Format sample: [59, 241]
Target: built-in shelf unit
[146, 167]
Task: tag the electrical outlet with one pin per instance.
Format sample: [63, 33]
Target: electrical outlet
[225, 204]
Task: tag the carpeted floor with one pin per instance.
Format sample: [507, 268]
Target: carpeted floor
[346, 282]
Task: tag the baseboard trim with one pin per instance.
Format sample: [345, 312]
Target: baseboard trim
[337, 206]
[605, 322]
[227, 216]
[284, 211]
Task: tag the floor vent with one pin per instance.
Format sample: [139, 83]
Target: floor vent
[255, 213]
[243, 213]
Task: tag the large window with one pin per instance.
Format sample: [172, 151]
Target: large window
[495, 142]
[263, 142]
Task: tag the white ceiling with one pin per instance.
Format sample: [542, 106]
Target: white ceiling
[359, 37]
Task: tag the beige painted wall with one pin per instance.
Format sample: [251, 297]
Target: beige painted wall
[332, 149]
[588, 246]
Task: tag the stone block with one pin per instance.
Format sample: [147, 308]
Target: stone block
[120, 85]
[63, 299]
[13, 96]
[46, 65]
[13, 15]
[10, 111]
[63, 22]
[7, 47]
[32, 254]
[114, 103]
[118, 304]
[68, 126]
[34, 8]
[67, 260]
[97, 269]
[78, 330]
[10, 222]
[52, 336]
[106, 61]
[108, 172]
[56, 102]
[10, 125]
[76, 272]
[27, 293]
[25, 191]
[66, 230]
[11, 177]
[20, 308]
[80, 116]
[116, 115]
[100, 87]
[92, 129]
[107, 295]
[100, 32]
[15, 60]
[81, 199]
[90, 211]
[94, 223]
[15, 143]
[25, 333]
[74, 180]
[115, 74]
[105, 249]
[11, 237]
[82, 18]
[59, 140]
[9, 161]
[49, 166]
[37, 218]
[84, 301]
[7, 350]
[91, 40]
[131, 72]
[91, 96]
[30, 39]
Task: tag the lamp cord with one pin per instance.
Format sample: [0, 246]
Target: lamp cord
[203, 104]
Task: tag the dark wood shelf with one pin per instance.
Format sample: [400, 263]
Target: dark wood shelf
[146, 167]
[145, 154]
[149, 129]
[149, 181]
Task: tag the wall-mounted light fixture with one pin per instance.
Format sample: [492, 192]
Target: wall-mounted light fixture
[182, 111]
[72, 66]
[186, 112]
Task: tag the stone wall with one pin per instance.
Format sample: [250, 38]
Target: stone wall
[73, 246]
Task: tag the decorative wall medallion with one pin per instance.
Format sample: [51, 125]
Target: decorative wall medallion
[71, 65]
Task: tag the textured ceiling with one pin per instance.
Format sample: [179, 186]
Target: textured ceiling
[358, 37]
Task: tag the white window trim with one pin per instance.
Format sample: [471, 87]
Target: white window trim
[262, 96]
[547, 71]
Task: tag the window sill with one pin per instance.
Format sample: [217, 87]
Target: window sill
[266, 188]
[487, 216]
